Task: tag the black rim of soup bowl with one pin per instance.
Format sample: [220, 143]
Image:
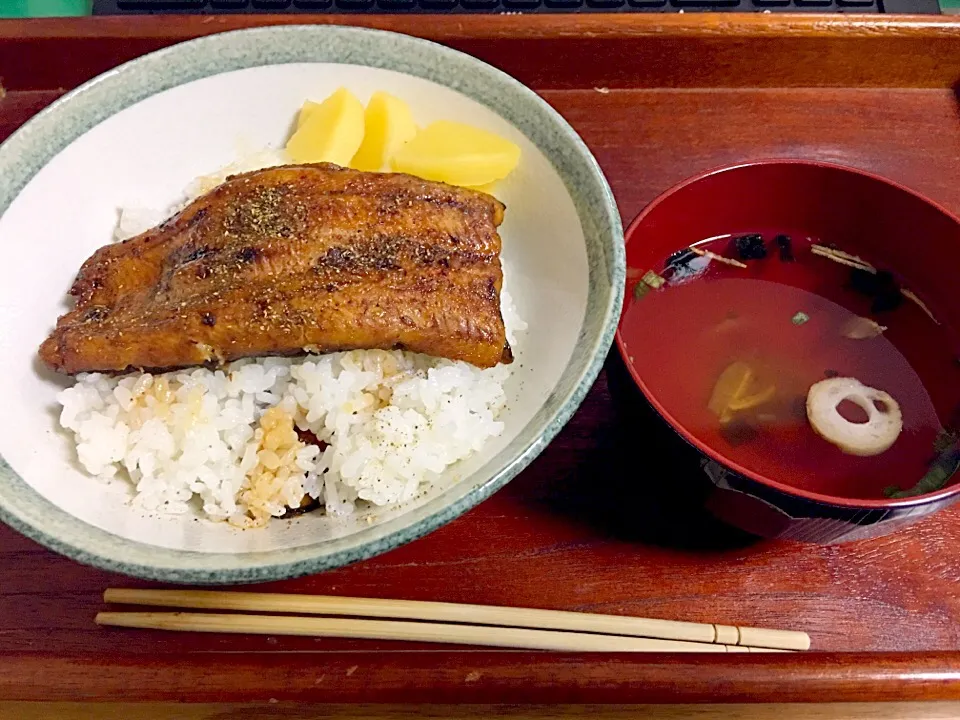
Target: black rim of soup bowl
[761, 505]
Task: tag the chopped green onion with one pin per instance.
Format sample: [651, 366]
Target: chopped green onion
[800, 318]
[945, 440]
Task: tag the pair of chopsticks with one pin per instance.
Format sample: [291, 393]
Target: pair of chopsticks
[437, 622]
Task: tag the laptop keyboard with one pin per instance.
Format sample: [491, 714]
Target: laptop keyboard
[114, 7]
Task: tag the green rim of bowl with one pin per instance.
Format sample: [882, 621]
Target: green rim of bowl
[39, 140]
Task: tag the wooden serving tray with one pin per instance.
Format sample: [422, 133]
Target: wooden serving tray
[657, 98]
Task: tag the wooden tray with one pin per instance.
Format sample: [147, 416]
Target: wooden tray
[657, 98]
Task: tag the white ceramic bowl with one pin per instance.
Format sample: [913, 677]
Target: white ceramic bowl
[138, 134]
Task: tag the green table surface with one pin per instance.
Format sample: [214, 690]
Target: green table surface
[43, 8]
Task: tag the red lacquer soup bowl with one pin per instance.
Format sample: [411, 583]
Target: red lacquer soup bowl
[787, 318]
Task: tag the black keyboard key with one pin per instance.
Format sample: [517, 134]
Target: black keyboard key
[141, 7]
[161, 4]
[704, 3]
[916, 7]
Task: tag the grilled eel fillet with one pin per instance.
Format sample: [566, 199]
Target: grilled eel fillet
[294, 259]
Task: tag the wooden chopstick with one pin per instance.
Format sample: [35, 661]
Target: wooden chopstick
[472, 614]
[411, 631]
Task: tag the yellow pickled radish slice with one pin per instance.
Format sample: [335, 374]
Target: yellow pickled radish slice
[748, 402]
[308, 107]
[331, 132]
[457, 154]
[388, 124]
[732, 382]
[735, 392]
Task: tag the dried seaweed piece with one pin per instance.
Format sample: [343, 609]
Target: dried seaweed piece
[864, 282]
[888, 295]
[750, 247]
[945, 440]
[737, 432]
[937, 476]
[681, 258]
[786, 247]
[879, 285]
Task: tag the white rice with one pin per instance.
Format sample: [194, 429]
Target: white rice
[203, 440]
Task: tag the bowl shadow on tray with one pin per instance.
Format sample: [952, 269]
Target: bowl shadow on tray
[656, 480]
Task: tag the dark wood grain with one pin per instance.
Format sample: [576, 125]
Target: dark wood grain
[504, 677]
[554, 51]
[314, 711]
[553, 537]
